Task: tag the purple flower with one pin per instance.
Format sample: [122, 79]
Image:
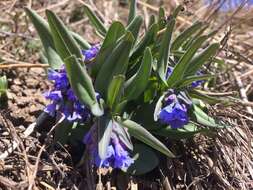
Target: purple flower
[174, 113]
[63, 99]
[91, 53]
[117, 156]
[50, 109]
[228, 5]
[53, 95]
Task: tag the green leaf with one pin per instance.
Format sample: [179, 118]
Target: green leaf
[137, 84]
[134, 26]
[185, 35]
[97, 23]
[188, 131]
[209, 99]
[145, 160]
[119, 108]
[83, 44]
[151, 21]
[189, 80]
[204, 119]
[180, 68]
[161, 18]
[45, 35]
[115, 64]
[164, 50]
[147, 40]
[114, 90]
[63, 40]
[196, 63]
[123, 135]
[115, 31]
[3, 85]
[104, 127]
[82, 85]
[132, 11]
[176, 11]
[146, 137]
[158, 107]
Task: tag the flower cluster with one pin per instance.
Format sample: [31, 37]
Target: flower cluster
[117, 155]
[63, 99]
[174, 112]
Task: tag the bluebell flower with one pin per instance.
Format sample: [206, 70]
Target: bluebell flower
[63, 98]
[117, 155]
[91, 53]
[174, 112]
[228, 5]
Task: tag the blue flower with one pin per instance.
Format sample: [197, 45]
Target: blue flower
[63, 99]
[91, 53]
[228, 5]
[117, 156]
[174, 113]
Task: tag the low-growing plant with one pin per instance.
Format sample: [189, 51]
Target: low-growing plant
[122, 97]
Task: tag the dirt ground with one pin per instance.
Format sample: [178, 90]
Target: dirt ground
[223, 161]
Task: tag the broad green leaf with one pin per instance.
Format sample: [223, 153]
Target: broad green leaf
[188, 131]
[145, 160]
[204, 119]
[196, 63]
[189, 80]
[104, 127]
[134, 26]
[65, 44]
[164, 50]
[209, 99]
[115, 31]
[115, 64]
[146, 41]
[191, 40]
[81, 42]
[82, 85]
[137, 84]
[146, 137]
[123, 135]
[180, 68]
[132, 11]
[185, 35]
[45, 35]
[97, 23]
[114, 90]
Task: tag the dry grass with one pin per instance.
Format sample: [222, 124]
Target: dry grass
[223, 161]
